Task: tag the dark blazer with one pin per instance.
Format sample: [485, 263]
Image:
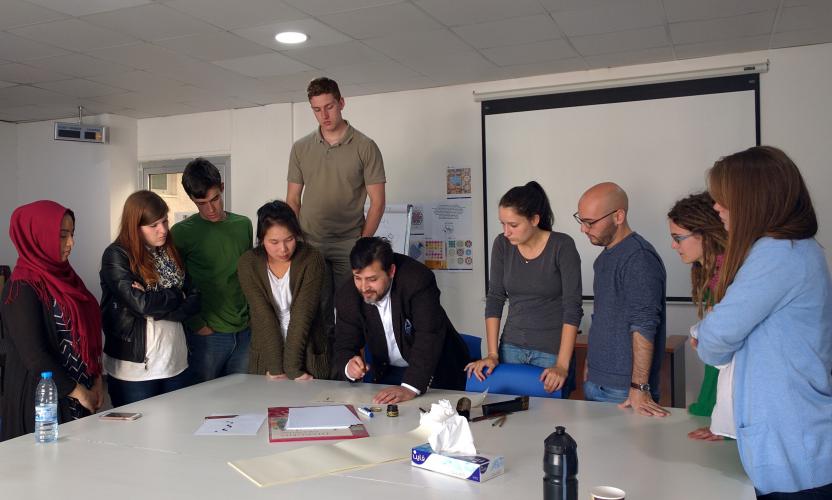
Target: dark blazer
[29, 337]
[306, 347]
[425, 336]
[124, 308]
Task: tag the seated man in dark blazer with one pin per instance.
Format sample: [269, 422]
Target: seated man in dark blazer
[392, 307]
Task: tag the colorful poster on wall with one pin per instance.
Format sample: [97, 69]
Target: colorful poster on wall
[448, 242]
[458, 182]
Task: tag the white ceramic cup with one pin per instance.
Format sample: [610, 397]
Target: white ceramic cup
[606, 493]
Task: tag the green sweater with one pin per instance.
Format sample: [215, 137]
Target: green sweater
[210, 251]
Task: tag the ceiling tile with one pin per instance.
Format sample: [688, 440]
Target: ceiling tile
[565, 5]
[509, 31]
[79, 65]
[529, 53]
[452, 66]
[20, 95]
[629, 58]
[379, 72]
[264, 65]
[319, 34]
[22, 73]
[614, 16]
[18, 13]
[723, 28]
[133, 113]
[73, 34]
[214, 46]
[81, 88]
[712, 48]
[415, 83]
[321, 7]
[138, 81]
[151, 22]
[381, 21]
[543, 68]
[15, 48]
[621, 41]
[83, 7]
[805, 17]
[142, 56]
[218, 103]
[795, 38]
[459, 12]
[296, 82]
[685, 10]
[6, 84]
[32, 113]
[404, 46]
[232, 15]
[343, 54]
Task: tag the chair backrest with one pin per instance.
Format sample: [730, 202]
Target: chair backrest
[474, 344]
[513, 379]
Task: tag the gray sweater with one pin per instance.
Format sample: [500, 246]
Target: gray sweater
[629, 290]
[543, 293]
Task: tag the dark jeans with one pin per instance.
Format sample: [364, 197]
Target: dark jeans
[819, 493]
[123, 392]
[217, 355]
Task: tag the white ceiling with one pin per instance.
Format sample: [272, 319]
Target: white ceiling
[145, 58]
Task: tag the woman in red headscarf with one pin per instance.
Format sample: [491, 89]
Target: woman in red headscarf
[50, 321]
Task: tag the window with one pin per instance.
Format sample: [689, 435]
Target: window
[164, 177]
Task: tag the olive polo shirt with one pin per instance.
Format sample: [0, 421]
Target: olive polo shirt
[334, 177]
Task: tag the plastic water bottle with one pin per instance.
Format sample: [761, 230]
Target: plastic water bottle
[46, 410]
[560, 466]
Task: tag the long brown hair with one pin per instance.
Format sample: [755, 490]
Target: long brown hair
[696, 214]
[765, 195]
[143, 208]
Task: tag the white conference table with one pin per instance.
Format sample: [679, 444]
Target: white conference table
[158, 456]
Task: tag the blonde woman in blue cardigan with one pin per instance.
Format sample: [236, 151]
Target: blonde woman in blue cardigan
[774, 318]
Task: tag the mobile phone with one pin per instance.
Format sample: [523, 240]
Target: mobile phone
[118, 415]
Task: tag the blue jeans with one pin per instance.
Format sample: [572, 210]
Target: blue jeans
[124, 392]
[510, 353]
[606, 394]
[217, 355]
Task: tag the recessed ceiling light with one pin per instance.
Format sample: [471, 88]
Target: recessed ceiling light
[291, 37]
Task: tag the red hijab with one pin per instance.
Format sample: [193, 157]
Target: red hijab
[35, 230]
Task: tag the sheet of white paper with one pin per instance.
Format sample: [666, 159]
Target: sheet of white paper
[231, 425]
[320, 417]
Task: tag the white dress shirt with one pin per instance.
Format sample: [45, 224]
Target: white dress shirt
[393, 353]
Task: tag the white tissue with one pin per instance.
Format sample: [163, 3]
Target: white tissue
[450, 433]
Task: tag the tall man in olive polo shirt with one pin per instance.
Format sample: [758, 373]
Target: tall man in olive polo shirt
[336, 168]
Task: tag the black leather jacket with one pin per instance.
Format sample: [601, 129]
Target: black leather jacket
[124, 308]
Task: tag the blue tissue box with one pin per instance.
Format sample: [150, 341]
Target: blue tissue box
[478, 468]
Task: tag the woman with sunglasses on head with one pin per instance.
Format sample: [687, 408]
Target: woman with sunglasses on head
[699, 237]
[283, 279]
[146, 295]
[773, 317]
[50, 321]
[539, 271]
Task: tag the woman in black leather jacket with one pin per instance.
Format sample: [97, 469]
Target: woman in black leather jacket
[146, 295]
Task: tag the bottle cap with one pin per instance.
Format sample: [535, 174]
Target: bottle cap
[46, 374]
[560, 443]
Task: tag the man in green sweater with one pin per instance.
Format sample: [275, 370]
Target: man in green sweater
[210, 243]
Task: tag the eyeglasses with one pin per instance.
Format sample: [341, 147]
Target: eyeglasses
[679, 238]
[588, 223]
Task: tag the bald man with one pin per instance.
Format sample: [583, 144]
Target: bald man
[627, 334]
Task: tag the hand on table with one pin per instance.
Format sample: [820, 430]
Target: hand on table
[356, 368]
[482, 367]
[643, 404]
[281, 376]
[704, 434]
[393, 395]
[553, 378]
[304, 376]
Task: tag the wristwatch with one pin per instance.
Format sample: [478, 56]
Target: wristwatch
[641, 387]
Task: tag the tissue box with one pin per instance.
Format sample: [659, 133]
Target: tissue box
[477, 468]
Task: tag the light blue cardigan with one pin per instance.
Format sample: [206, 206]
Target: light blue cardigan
[776, 322]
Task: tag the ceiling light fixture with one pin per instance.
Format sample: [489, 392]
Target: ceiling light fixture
[291, 37]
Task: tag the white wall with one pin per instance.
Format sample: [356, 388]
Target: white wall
[8, 189]
[91, 179]
[421, 132]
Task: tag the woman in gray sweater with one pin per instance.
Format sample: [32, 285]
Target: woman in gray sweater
[282, 279]
[539, 271]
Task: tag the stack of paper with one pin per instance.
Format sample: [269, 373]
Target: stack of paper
[321, 417]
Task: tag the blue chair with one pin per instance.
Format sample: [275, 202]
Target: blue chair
[512, 379]
[474, 344]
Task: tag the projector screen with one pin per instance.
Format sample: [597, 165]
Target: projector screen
[656, 141]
